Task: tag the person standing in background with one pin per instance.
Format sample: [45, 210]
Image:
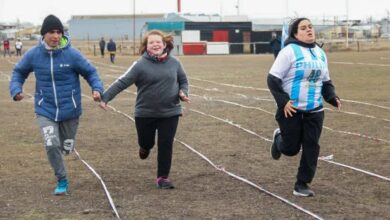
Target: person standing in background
[275, 44]
[111, 47]
[18, 47]
[102, 46]
[6, 46]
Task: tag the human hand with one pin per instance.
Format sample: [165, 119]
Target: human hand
[289, 109]
[183, 97]
[103, 106]
[338, 101]
[96, 96]
[19, 96]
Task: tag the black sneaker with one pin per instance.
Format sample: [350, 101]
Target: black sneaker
[143, 154]
[275, 153]
[302, 189]
[164, 183]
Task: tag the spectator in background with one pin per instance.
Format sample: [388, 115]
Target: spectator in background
[275, 44]
[111, 47]
[6, 47]
[102, 46]
[18, 47]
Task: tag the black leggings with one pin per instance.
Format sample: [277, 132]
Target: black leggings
[166, 127]
[301, 130]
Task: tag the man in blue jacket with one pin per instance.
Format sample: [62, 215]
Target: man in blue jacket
[57, 67]
[111, 47]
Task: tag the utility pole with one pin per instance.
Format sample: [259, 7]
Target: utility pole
[347, 29]
[134, 27]
[388, 18]
[238, 7]
[178, 6]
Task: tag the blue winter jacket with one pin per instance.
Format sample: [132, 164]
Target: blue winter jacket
[57, 87]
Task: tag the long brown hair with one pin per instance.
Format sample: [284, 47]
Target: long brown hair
[167, 39]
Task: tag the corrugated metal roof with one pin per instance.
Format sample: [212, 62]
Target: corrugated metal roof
[129, 16]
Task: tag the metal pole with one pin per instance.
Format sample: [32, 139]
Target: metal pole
[238, 7]
[347, 30]
[134, 27]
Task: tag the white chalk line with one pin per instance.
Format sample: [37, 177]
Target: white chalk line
[232, 174]
[92, 170]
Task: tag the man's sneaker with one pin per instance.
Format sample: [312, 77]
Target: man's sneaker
[143, 154]
[62, 188]
[302, 189]
[275, 153]
[164, 183]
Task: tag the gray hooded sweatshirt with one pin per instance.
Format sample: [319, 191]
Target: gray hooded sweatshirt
[158, 84]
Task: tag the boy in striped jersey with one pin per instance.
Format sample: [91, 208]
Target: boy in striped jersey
[299, 80]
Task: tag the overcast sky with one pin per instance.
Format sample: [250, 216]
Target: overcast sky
[35, 10]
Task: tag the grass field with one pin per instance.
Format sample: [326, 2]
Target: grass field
[230, 121]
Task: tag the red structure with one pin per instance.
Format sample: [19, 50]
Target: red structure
[178, 6]
[195, 48]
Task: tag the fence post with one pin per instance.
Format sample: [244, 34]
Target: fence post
[94, 50]
[358, 46]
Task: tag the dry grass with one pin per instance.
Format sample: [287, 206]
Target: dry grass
[108, 142]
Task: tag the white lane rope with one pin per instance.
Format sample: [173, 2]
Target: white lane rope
[116, 214]
[229, 85]
[264, 89]
[261, 89]
[262, 110]
[329, 159]
[232, 103]
[269, 140]
[357, 114]
[357, 134]
[222, 169]
[366, 103]
[266, 139]
[365, 64]
[219, 168]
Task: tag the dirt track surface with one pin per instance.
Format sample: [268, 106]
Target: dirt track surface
[107, 141]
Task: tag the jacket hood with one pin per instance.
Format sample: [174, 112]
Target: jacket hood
[291, 40]
[64, 43]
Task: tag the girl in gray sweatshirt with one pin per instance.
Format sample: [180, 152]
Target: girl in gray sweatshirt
[161, 84]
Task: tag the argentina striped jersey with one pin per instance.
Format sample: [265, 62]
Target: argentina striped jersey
[302, 71]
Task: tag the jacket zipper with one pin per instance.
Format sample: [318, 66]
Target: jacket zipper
[54, 85]
[41, 100]
[74, 101]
